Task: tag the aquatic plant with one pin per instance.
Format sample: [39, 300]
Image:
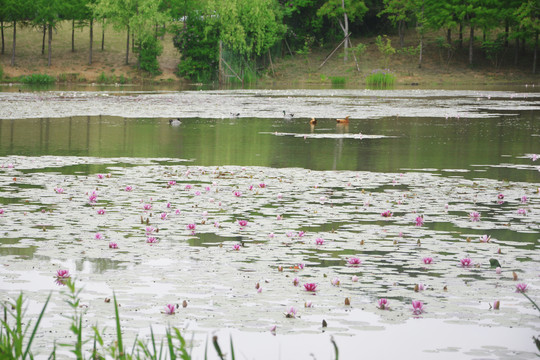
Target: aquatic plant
[169, 309]
[383, 304]
[521, 287]
[419, 221]
[37, 79]
[418, 307]
[310, 287]
[380, 79]
[427, 260]
[319, 241]
[474, 216]
[354, 261]
[466, 262]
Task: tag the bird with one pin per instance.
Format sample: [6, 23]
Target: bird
[174, 122]
[343, 121]
[313, 121]
[288, 116]
[235, 115]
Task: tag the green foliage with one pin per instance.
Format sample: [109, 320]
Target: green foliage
[334, 9]
[384, 44]
[76, 317]
[409, 51]
[199, 46]
[380, 79]
[37, 79]
[1, 72]
[359, 49]
[494, 50]
[150, 48]
[338, 81]
[112, 79]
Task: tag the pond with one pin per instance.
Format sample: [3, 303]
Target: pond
[414, 199]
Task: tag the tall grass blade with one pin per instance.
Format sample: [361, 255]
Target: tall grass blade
[121, 353]
[336, 350]
[232, 349]
[218, 349]
[35, 327]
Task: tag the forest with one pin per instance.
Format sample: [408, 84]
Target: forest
[250, 29]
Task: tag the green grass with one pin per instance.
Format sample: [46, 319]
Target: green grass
[338, 80]
[37, 79]
[380, 79]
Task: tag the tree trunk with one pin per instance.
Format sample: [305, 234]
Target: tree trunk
[401, 32]
[163, 33]
[43, 40]
[460, 36]
[2, 28]
[50, 45]
[73, 35]
[103, 35]
[471, 42]
[516, 52]
[14, 38]
[506, 31]
[421, 50]
[535, 51]
[127, 46]
[91, 40]
[449, 42]
[345, 31]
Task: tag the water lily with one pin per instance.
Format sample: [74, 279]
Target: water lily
[386, 213]
[310, 287]
[427, 260]
[474, 216]
[236, 247]
[354, 278]
[191, 227]
[524, 199]
[242, 223]
[496, 305]
[59, 190]
[273, 329]
[466, 262]
[280, 196]
[301, 233]
[418, 307]
[92, 199]
[521, 287]
[1, 211]
[300, 266]
[151, 240]
[164, 216]
[335, 281]
[419, 221]
[172, 183]
[149, 230]
[168, 205]
[291, 313]
[128, 188]
[485, 238]
[197, 193]
[319, 241]
[188, 187]
[237, 193]
[147, 207]
[101, 211]
[62, 274]
[100, 176]
[98, 236]
[308, 304]
[262, 185]
[500, 196]
[498, 270]
[383, 304]
[419, 287]
[354, 261]
[522, 211]
[271, 235]
[296, 281]
[216, 224]
[169, 309]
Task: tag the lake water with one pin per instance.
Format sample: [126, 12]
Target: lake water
[313, 198]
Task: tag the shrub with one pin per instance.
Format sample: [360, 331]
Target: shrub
[150, 48]
[384, 44]
[38, 79]
[380, 79]
[1, 72]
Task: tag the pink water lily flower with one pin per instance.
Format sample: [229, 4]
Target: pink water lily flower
[474, 216]
[62, 274]
[262, 185]
[187, 187]
[147, 206]
[242, 223]
[169, 309]
[335, 282]
[308, 304]
[113, 245]
[301, 233]
[128, 188]
[271, 235]
[522, 211]
[59, 190]
[524, 199]
[386, 213]
[296, 281]
[500, 196]
[101, 211]
[92, 199]
[521, 287]
[1, 211]
[466, 262]
[237, 193]
[354, 261]
[485, 238]
[354, 278]
[496, 305]
[419, 221]
[191, 226]
[291, 313]
[172, 183]
[151, 240]
[100, 176]
[418, 307]
[98, 236]
[149, 230]
[427, 260]
[383, 304]
[319, 241]
[164, 216]
[310, 287]
[237, 247]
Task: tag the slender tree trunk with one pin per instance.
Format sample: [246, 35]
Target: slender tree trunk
[132, 42]
[401, 31]
[43, 40]
[163, 33]
[50, 45]
[471, 43]
[103, 35]
[73, 35]
[345, 28]
[127, 46]
[460, 36]
[2, 28]
[421, 50]
[535, 51]
[506, 31]
[516, 52]
[91, 40]
[449, 42]
[14, 39]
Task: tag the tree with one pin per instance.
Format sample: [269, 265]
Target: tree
[15, 11]
[49, 13]
[399, 12]
[527, 15]
[342, 11]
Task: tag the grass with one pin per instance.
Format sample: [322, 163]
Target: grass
[37, 79]
[380, 79]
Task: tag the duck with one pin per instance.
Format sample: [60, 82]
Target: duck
[313, 121]
[235, 115]
[288, 116]
[174, 122]
[343, 121]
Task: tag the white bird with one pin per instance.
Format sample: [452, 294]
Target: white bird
[174, 122]
[288, 116]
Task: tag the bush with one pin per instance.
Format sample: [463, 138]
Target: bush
[150, 48]
[380, 79]
[1, 72]
[38, 79]
[199, 49]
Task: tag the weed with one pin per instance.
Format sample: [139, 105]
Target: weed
[380, 79]
[37, 79]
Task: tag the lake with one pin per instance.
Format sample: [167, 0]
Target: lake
[235, 214]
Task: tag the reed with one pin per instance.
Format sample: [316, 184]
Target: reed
[380, 79]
